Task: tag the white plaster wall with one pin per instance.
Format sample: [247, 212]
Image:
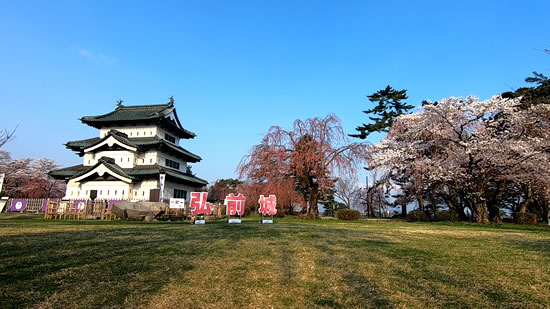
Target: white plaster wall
[147, 158]
[123, 158]
[161, 159]
[161, 133]
[140, 190]
[131, 131]
[170, 186]
[105, 189]
[89, 159]
[139, 131]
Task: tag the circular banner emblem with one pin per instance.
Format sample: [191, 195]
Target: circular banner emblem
[18, 205]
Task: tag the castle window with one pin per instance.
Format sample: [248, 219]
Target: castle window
[172, 164]
[150, 160]
[122, 192]
[100, 192]
[120, 159]
[151, 133]
[137, 133]
[143, 193]
[130, 133]
[180, 193]
[115, 192]
[169, 138]
[128, 159]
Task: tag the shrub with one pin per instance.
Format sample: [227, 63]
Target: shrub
[442, 215]
[417, 215]
[348, 214]
[445, 215]
[280, 213]
[525, 218]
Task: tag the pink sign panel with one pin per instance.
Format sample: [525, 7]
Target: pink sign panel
[268, 205]
[234, 205]
[18, 205]
[198, 203]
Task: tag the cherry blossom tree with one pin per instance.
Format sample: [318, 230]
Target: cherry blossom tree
[29, 178]
[469, 152]
[309, 156]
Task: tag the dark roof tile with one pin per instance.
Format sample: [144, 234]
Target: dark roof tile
[133, 173]
[139, 113]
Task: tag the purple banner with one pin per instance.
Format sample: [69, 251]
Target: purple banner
[79, 205]
[18, 205]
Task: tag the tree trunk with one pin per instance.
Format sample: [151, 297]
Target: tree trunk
[494, 204]
[450, 203]
[404, 210]
[494, 214]
[313, 199]
[479, 211]
[420, 200]
[419, 191]
[527, 200]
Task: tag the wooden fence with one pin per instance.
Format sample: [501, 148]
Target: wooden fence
[86, 209]
[38, 205]
[33, 205]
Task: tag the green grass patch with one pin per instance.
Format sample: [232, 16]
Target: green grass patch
[293, 263]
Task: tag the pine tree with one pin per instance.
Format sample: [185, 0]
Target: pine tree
[390, 106]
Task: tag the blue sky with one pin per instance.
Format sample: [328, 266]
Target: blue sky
[236, 68]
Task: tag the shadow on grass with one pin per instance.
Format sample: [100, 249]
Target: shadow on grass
[107, 266]
[538, 246]
[124, 264]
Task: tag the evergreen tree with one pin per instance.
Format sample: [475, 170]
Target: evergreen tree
[532, 95]
[331, 206]
[390, 106]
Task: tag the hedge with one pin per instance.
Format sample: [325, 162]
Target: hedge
[417, 215]
[525, 218]
[348, 214]
[445, 215]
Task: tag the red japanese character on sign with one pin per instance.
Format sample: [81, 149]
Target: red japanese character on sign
[268, 205]
[235, 205]
[198, 203]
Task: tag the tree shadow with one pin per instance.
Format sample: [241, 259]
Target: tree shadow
[105, 266]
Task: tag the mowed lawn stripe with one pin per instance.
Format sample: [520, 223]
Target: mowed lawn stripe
[293, 263]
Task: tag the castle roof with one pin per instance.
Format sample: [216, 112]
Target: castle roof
[142, 143]
[157, 114]
[138, 172]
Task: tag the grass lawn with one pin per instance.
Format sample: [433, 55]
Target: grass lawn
[322, 263]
